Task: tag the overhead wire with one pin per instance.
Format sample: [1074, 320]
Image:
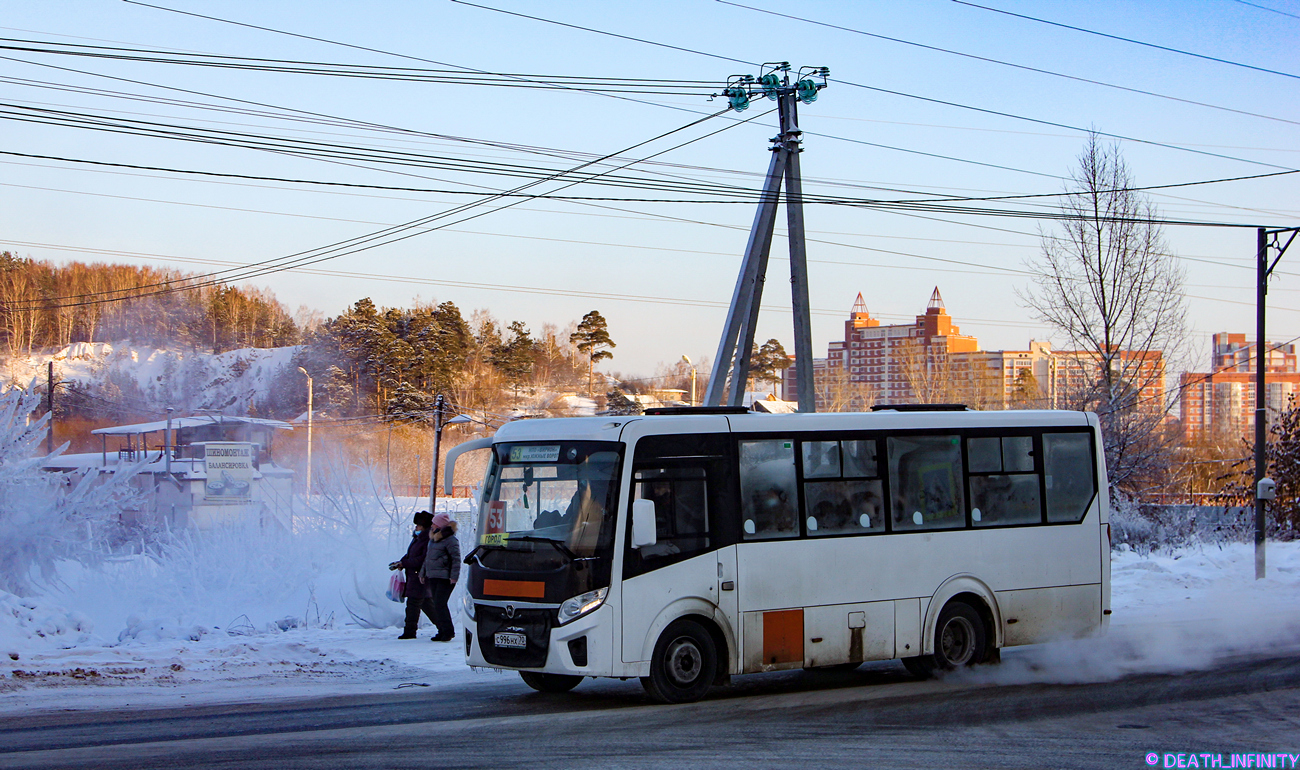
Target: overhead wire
[1003, 213]
[654, 43]
[892, 92]
[1013, 65]
[368, 71]
[392, 234]
[348, 45]
[737, 195]
[1126, 40]
[1266, 8]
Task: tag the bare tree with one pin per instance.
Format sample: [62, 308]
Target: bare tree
[838, 392]
[1109, 285]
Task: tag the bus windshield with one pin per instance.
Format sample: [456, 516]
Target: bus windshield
[562, 492]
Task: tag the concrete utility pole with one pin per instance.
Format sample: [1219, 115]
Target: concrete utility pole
[49, 408]
[1264, 488]
[309, 410]
[731, 365]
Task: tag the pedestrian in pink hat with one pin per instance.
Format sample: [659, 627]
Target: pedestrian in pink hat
[440, 571]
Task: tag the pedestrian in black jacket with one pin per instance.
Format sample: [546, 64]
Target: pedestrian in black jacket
[440, 572]
[419, 595]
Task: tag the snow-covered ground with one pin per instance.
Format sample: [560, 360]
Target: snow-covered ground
[1172, 613]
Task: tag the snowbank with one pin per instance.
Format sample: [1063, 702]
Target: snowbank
[28, 625]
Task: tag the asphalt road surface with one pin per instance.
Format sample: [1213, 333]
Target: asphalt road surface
[876, 716]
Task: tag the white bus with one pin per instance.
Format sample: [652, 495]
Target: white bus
[689, 545]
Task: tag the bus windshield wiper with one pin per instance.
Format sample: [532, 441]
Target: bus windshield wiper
[558, 544]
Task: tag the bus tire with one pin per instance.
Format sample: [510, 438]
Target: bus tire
[684, 664]
[552, 683]
[960, 639]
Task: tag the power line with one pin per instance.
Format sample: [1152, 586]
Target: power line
[892, 92]
[414, 58]
[898, 149]
[738, 195]
[392, 234]
[369, 72]
[1129, 40]
[1266, 8]
[1011, 64]
[335, 42]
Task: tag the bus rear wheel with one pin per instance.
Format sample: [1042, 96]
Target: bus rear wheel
[960, 639]
[684, 664]
[553, 683]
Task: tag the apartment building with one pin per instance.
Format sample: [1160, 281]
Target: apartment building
[1222, 400]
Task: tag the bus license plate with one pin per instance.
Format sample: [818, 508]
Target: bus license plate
[511, 640]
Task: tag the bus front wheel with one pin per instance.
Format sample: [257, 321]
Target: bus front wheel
[684, 664]
[960, 639]
[554, 683]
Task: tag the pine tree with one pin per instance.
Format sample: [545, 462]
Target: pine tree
[514, 357]
[767, 362]
[591, 338]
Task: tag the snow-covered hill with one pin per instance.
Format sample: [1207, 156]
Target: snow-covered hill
[142, 379]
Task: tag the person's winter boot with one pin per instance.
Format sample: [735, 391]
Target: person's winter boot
[407, 635]
[441, 638]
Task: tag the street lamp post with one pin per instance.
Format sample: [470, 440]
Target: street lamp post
[687, 360]
[439, 407]
[309, 392]
[167, 443]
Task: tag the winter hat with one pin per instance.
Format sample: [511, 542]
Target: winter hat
[441, 520]
[424, 519]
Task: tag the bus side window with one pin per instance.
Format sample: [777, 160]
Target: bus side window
[842, 495]
[769, 500]
[1070, 475]
[925, 480]
[1003, 484]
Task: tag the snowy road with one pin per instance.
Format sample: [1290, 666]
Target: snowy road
[876, 716]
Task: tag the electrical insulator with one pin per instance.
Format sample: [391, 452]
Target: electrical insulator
[770, 84]
[807, 91]
[738, 98]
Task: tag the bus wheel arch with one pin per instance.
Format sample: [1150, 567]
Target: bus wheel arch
[708, 616]
[685, 662]
[973, 592]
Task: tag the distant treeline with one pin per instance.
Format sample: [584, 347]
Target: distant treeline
[368, 360]
[392, 361]
[47, 306]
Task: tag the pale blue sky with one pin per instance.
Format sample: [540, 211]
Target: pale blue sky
[644, 250]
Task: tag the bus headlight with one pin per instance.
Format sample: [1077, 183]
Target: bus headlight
[467, 605]
[572, 609]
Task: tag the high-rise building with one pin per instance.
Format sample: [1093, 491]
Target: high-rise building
[887, 364]
[931, 361]
[1222, 400]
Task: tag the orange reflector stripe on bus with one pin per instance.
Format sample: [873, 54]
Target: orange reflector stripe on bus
[521, 589]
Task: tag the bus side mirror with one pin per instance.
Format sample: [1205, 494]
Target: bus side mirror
[643, 523]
